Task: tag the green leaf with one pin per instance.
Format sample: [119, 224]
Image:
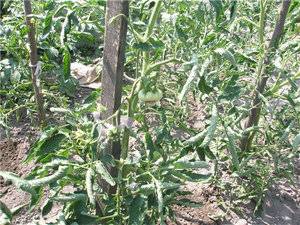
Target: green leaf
[92, 97]
[87, 219]
[194, 139]
[181, 165]
[17, 181]
[147, 189]
[49, 142]
[180, 32]
[189, 176]
[49, 179]
[89, 186]
[6, 211]
[218, 7]
[230, 89]
[137, 210]
[212, 127]
[143, 46]
[227, 55]
[232, 149]
[69, 86]
[242, 57]
[233, 9]
[149, 145]
[86, 37]
[193, 75]
[188, 203]
[47, 25]
[169, 185]
[156, 43]
[296, 141]
[66, 28]
[47, 207]
[52, 52]
[69, 197]
[209, 38]
[160, 200]
[20, 183]
[103, 172]
[287, 131]
[203, 86]
[206, 152]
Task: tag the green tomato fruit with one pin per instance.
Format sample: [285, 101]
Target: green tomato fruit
[150, 96]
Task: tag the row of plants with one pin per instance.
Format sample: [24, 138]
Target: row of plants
[214, 53]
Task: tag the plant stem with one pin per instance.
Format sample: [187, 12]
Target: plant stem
[131, 106]
[137, 84]
[153, 19]
[277, 86]
[261, 32]
[262, 22]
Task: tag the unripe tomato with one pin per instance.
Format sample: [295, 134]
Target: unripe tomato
[150, 96]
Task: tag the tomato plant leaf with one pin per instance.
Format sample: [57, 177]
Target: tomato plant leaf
[137, 210]
[212, 127]
[189, 165]
[203, 86]
[47, 207]
[103, 172]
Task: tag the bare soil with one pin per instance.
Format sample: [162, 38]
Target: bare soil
[281, 207]
[13, 150]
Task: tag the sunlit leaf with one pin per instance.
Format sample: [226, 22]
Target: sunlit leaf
[103, 172]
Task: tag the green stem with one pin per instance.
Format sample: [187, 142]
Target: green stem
[118, 192]
[137, 84]
[153, 19]
[17, 108]
[262, 22]
[150, 68]
[278, 86]
[145, 63]
[108, 217]
[130, 112]
[261, 31]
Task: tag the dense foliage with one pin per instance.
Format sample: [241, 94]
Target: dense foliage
[179, 54]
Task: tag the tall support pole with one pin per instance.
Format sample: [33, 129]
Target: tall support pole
[113, 63]
[35, 66]
[256, 108]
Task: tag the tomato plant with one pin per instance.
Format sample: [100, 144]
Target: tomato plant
[230, 66]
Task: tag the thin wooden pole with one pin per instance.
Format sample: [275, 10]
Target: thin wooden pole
[113, 63]
[35, 66]
[255, 111]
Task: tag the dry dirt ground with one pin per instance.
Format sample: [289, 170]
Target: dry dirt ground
[281, 206]
[13, 151]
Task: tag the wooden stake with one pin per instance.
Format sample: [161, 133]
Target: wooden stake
[113, 63]
[254, 116]
[34, 62]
